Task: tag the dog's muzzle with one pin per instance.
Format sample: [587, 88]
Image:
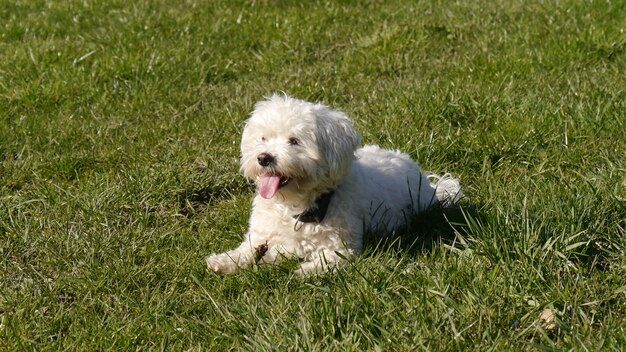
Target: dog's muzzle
[266, 159]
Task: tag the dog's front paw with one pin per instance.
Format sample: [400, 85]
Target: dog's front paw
[221, 264]
[313, 267]
[307, 268]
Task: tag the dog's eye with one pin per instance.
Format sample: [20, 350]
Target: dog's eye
[294, 141]
[262, 139]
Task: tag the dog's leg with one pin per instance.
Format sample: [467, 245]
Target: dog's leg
[274, 255]
[324, 260]
[229, 262]
[245, 255]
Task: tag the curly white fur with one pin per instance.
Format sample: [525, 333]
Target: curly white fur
[297, 151]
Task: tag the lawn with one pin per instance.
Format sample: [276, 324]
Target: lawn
[119, 142]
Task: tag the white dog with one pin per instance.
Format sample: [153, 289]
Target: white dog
[318, 193]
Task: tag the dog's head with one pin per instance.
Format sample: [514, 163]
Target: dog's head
[296, 148]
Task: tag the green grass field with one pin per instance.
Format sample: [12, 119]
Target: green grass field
[119, 141]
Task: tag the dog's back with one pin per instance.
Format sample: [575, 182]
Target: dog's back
[392, 186]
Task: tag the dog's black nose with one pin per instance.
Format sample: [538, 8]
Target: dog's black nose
[265, 159]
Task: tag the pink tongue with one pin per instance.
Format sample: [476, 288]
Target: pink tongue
[268, 186]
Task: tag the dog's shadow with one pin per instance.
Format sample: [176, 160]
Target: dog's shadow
[424, 231]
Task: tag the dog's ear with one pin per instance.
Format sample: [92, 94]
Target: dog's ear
[337, 141]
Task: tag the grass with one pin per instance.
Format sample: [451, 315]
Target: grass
[119, 131]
